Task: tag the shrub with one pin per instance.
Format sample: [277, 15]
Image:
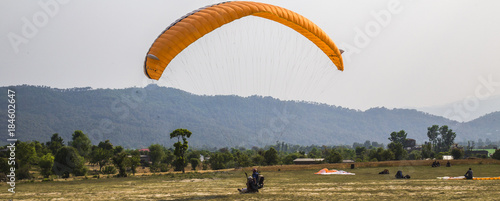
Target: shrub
[440, 155]
[204, 165]
[68, 161]
[159, 167]
[164, 167]
[46, 163]
[3, 177]
[415, 155]
[119, 160]
[154, 168]
[288, 160]
[194, 163]
[81, 171]
[4, 165]
[387, 155]
[457, 153]
[23, 172]
[109, 169]
[256, 159]
[496, 155]
[271, 156]
[334, 157]
[217, 161]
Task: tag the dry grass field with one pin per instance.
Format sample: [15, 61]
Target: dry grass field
[291, 182]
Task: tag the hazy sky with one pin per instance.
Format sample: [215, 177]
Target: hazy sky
[399, 53]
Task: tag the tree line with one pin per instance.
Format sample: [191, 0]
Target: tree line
[57, 158]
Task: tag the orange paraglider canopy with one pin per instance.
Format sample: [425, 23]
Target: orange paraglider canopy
[196, 24]
[325, 171]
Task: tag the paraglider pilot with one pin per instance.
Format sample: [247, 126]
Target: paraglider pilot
[254, 183]
[399, 175]
[468, 174]
[255, 176]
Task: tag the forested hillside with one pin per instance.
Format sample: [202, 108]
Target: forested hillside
[139, 117]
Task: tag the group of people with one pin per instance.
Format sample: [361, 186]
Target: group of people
[468, 174]
[437, 164]
[385, 171]
[399, 175]
[256, 181]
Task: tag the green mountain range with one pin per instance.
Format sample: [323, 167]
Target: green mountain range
[139, 117]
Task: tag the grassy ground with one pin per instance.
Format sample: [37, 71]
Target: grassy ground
[289, 183]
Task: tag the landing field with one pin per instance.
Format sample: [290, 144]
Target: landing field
[292, 182]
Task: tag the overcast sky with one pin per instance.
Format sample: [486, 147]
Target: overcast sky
[399, 53]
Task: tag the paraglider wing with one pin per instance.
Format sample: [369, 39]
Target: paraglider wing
[325, 171]
[196, 24]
